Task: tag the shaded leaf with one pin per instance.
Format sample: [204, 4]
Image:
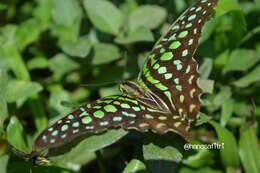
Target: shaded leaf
[104, 15]
[148, 16]
[249, 150]
[4, 162]
[135, 166]
[249, 78]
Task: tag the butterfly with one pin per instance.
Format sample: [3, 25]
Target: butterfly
[165, 96]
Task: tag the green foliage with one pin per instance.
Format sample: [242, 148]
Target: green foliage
[48, 48]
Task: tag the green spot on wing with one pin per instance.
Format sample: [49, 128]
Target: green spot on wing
[167, 56]
[110, 108]
[86, 120]
[99, 114]
[175, 45]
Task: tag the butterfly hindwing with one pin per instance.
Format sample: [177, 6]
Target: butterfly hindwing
[170, 71]
[108, 112]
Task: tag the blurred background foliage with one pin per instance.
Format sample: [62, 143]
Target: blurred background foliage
[50, 48]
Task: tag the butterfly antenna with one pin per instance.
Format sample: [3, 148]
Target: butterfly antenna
[101, 84]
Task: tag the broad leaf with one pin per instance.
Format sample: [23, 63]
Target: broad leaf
[104, 15]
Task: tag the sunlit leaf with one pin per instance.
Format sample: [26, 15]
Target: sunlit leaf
[105, 53]
[3, 96]
[241, 60]
[15, 135]
[168, 153]
[135, 166]
[149, 16]
[229, 152]
[104, 15]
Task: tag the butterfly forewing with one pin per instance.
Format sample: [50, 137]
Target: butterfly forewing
[170, 71]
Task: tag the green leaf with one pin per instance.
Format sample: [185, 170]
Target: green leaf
[225, 6]
[104, 15]
[79, 48]
[25, 36]
[226, 111]
[105, 53]
[43, 12]
[208, 29]
[135, 166]
[250, 78]
[207, 86]
[247, 58]
[4, 162]
[38, 62]
[229, 153]
[61, 64]
[225, 93]
[18, 90]
[83, 152]
[3, 97]
[206, 68]
[201, 170]
[148, 16]
[58, 94]
[201, 158]
[249, 150]
[202, 118]
[138, 35]
[67, 16]
[10, 52]
[154, 152]
[108, 91]
[15, 135]
[66, 12]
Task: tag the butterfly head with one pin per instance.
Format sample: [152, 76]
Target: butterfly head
[37, 158]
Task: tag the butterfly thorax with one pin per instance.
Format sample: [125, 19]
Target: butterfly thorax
[134, 90]
[131, 89]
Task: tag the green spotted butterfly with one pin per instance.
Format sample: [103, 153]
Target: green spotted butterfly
[165, 96]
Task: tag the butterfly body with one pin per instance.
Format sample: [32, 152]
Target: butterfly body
[165, 97]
